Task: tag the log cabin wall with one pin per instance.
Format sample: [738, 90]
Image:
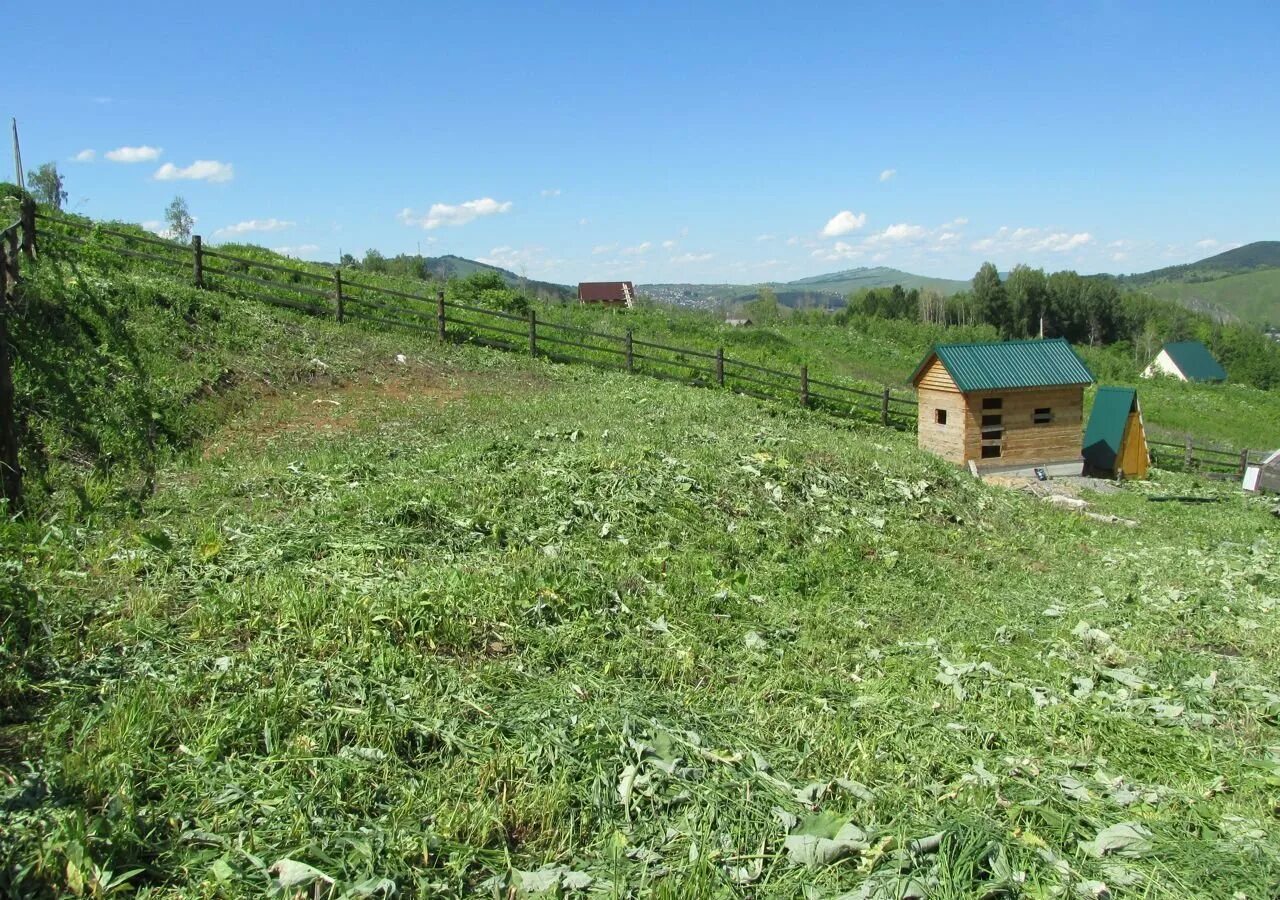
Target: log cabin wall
[937, 392]
[1025, 440]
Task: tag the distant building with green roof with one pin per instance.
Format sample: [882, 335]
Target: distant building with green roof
[1186, 361]
[1003, 405]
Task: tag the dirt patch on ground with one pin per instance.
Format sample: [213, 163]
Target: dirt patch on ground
[336, 405]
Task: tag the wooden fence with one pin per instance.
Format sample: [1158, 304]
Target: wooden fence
[338, 295]
[19, 234]
[1209, 460]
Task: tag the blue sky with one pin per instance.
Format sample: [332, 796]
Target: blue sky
[664, 142]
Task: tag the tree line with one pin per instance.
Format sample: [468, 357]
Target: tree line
[1091, 310]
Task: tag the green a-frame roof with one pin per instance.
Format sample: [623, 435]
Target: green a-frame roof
[1002, 365]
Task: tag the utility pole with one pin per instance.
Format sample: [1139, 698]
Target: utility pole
[17, 158]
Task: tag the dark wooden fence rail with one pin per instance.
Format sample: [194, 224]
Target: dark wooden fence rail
[342, 296]
[16, 240]
[1187, 456]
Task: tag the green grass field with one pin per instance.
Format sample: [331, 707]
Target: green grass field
[469, 624]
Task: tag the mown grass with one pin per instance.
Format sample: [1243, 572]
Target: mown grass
[468, 623]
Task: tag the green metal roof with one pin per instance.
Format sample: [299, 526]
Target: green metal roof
[1194, 360]
[1105, 432]
[1001, 365]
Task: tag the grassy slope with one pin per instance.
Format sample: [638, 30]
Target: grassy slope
[433, 621]
[879, 352]
[1253, 296]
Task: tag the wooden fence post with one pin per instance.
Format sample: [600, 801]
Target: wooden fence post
[626, 347]
[1187, 458]
[197, 255]
[10, 258]
[10, 471]
[28, 228]
[884, 407]
[533, 333]
[1244, 460]
[440, 314]
[804, 385]
[341, 311]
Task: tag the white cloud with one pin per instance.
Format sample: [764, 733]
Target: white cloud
[584, 221]
[84, 156]
[1034, 240]
[601, 249]
[691, 258]
[454, 214]
[898, 234]
[158, 228]
[887, 174]
[947, 237]
[843, 222]
[256, 225]
[200, 170]
[1061, 242]
[957, 222]
[765, 237]
[300, 250]
[667, 245]
[134, 154]
[1207, 244]
[638, 249]
[520, 259]
[792, 241]
[550, 192]
[840, 250]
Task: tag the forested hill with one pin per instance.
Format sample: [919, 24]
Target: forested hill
[1249, 258]
[443, 268]
[1240, 284]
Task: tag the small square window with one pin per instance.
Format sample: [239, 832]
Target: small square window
[940, 416]
[991, 451]
[1042, 416]
[993, 403]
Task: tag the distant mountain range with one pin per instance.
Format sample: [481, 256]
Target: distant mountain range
[1240, 284]
[817, 290]
[446, 267]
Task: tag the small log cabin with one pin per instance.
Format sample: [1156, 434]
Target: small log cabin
[607, 293]
[1003, 405]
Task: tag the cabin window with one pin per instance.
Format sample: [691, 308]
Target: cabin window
[993, 403]
[1042, 416]
[940, 416]
[990, 451]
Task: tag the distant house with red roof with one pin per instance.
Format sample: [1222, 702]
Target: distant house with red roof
[607, 293]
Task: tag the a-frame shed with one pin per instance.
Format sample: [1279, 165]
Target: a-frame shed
[1115, 442]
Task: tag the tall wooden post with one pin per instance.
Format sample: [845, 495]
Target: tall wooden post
[720, 366]
[1244, 460]
[626, 348]
[10, 470]
[884, 407]
[533, 333]
[440, 314]
[804, 385]
[340, 311]
[28, 228]
[197, 256]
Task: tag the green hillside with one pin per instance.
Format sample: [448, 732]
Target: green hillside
[852, 280]
[378, 616]
[1258, 255]
[449, 266]
[1251, 296]
[1243, 283]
